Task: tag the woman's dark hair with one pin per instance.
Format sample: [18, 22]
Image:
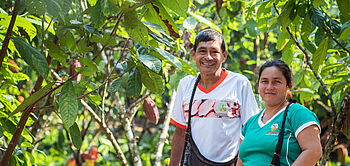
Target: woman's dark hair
[282, 66]
[209, 35]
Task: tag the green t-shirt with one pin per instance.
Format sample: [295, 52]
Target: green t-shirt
[259, 139]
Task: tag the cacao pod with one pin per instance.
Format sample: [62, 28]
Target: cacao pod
[13, 69]
[72, 71]
[151, 110]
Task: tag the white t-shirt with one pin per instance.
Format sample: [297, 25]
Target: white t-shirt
[218, 113]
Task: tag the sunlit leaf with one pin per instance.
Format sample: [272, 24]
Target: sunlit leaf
[205, 22]
[136, 30]
[152, 81]
[320, 55]
[178, 6]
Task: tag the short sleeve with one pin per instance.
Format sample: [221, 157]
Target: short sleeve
[302, 118]
[249, 106]
[177, 116]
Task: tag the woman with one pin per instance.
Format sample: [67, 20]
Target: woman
[301, 141]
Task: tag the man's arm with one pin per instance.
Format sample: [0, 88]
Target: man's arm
[177, 146]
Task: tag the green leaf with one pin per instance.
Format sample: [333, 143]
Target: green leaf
[134, 84]
[151, 62]
[190, 23]
[178, 6]
[20, 22]
[97, 17]
[136, 30]
[96, 99]
[32, 98]
[106, 40]
[252, 28]
[284, 19]
[68, 105]
[6, 102]
[320, 55]
[288, 53]
[92, 2]
[205, 22]
[32, 57]
[283, 40]
[115, 86]
[151, 80]
[345, 31]
[170, 58]
[68, 40]
[56, 52]
[159, 38]
[10, 127]
[187, 67]
[298, 76]
[74, 133]
[343, 6]
[305, 33]
[53, 8]
[19, 77]
[263, 14]
[37, 7]
[83, 46]
[320, 35]
[90, 68]
[316, 16]
[157, 14]
[318, 3]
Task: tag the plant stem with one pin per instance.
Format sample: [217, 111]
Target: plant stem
[336, 41]
[6, 41]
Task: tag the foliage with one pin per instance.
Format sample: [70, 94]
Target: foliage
[129, 50]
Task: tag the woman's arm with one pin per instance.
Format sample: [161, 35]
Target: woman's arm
[177, 146]
[309, 142]
[239, 161]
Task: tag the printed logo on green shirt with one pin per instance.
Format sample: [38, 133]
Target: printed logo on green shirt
[274, 127]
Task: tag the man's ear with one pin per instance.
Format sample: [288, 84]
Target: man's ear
[225, 55]
[193, 53]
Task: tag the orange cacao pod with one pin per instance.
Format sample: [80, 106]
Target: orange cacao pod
[151, 110]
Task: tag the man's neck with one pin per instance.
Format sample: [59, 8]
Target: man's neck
[207, 81]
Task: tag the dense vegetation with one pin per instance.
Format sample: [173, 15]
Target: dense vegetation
[74, 73]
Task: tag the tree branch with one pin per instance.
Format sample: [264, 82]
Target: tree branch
[164, 134]
[330, 35]
[108, 132]
[6, 41]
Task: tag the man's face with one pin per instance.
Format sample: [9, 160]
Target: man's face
[209, 57]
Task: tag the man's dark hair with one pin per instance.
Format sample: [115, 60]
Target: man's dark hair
[209, 35]
[282, 66]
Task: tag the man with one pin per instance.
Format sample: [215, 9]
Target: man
[222, 103]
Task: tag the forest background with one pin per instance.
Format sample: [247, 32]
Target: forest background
[74, 74]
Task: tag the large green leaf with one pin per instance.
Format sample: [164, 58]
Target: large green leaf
[178, 6]
[68, 105]
[20, 22]
[288, 53]
[316, 16]
[157, 14]
[134, 83]
[170, 58]
[284, 19]
[205, 22]
[320, 55]
[32, 98]
[53, 8]
[37, 7]
[186, 67]
[151, 62]
[97, 16]
[74, 133]
[345, 31]
[159, 38]
[32, 57]
[136, 30]
[283, 40]
[263, 14]
[8, 104]
[10, 127]
[151, 80]
[305, 33]
[344, 9]
[90, 68]
[252, 28]
[115, 86]
[56, 52]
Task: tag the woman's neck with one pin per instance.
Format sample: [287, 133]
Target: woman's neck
[270, 111]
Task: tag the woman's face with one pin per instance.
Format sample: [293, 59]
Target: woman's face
[273, 86]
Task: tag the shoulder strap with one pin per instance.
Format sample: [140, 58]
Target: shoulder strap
[276, 155]
[188, 130]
